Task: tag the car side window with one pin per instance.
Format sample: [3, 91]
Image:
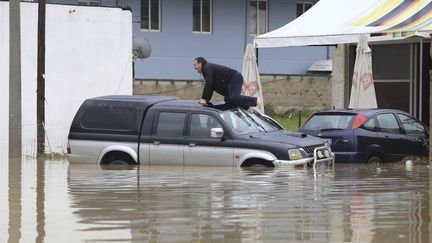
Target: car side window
[171, 123]
[201, 125]
[388, 123]
[371, 125]
[411, 126]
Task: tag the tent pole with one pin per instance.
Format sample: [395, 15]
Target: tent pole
[430, 116]
[421, 80]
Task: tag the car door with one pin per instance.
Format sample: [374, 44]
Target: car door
[369, 139]
[391, 133]
[201, 148]
[416, 136]
[168, 140]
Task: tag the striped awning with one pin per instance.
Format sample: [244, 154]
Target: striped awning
[342, 21]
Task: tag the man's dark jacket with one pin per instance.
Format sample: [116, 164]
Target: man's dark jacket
[216, 78]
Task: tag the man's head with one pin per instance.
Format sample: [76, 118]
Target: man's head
[198, 62]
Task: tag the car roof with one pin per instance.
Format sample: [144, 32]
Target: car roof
[165, 102]
[136, 98]
[194, 105]
[365, 112]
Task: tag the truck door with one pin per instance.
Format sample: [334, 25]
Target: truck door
[201, 148]
[167, 140]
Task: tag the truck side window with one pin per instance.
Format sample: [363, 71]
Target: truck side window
[171, 123]
[201, 125]
[108, 117]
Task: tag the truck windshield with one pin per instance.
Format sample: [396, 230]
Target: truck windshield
[243, 122]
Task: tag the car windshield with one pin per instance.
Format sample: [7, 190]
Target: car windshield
[243, 122]
[329, 122]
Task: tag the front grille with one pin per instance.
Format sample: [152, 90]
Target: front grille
[310, 149]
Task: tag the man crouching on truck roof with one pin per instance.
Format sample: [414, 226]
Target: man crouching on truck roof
[225, 81]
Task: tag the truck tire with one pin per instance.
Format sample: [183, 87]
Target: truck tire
[374, 160]
[257, 163]
[118, 158]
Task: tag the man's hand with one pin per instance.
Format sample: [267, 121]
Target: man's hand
[203, 102]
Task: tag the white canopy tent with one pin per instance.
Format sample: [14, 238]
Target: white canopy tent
[331, 22]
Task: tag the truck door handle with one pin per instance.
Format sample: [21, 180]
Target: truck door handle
[156, 142]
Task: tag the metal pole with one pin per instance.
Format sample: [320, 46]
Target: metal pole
[430, 113]
[40, 110]
[421, 81]
[256, 54]
[15, 142]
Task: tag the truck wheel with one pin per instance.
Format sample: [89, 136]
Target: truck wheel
[119, 162]
[257, 163]
[374, 160]
[118, 158]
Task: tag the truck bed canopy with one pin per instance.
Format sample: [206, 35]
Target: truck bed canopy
[331, 22]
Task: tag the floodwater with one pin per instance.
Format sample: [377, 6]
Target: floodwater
[54, 201]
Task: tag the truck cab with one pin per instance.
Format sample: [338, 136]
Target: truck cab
[159, 130]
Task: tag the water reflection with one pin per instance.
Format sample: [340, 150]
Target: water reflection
[14, 196]
[350, 203]
[40, 200]
[188, 203]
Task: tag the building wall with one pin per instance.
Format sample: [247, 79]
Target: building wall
[281, 93]
[87, 54]
[175, 46]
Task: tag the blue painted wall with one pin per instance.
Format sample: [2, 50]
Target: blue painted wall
[175, 46]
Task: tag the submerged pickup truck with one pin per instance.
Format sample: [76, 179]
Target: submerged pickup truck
[161, 130]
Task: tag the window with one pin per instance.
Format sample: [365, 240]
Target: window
[150, 15]
[411, 126]
[126, 4]
[388, 123]
[258, 17]
[171, 123]
[370, 125]
[329, 122]
[202, 16]
[110, 117]
[303, 6]
[89, 2]
[202, 124]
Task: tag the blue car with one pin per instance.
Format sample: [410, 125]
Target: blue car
[373, 136]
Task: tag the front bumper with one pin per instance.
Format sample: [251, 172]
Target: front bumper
[281, 163]
[311, 160]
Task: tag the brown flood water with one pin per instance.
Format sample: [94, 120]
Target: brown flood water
[54, 201]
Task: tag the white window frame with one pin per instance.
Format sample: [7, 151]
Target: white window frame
[149, 17]
[89, 2]
[258, 18]
[303, 3]
[201, 21]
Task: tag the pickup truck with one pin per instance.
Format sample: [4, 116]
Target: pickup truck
[161, 130]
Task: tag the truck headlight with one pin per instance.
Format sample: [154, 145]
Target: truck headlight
[294, 154]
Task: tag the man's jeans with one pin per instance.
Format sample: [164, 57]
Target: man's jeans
[234, 92]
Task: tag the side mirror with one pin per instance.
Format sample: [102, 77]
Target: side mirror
[216, 132]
